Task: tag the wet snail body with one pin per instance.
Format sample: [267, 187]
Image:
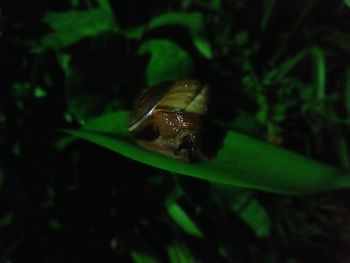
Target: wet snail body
[170, 118]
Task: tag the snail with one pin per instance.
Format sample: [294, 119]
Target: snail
[169, 118]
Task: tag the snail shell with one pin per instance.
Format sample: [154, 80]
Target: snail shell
[169, 118]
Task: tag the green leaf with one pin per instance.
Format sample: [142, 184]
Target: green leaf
[193, 21]
[134, 33]
[203, 46]
[242, 161]
[178, 253]
[168, 61]
[141, 257]
[255, 216]
[183, 220]
[39, 92]
[71, 26]
[319, 65]
[106, 7]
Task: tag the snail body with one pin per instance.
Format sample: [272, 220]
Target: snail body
[169, 118]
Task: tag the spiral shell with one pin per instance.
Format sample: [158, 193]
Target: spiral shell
[168, 118]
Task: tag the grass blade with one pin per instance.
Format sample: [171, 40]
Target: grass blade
[242, 161]
[183, 220]
[140, 257]
[178, 253]
[319, 65]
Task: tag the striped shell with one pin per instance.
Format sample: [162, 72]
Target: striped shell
[168, 118]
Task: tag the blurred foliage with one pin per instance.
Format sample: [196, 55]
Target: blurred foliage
[140, 257]
[280, 72]
[159, 67]
[179, 253]
[72, 26]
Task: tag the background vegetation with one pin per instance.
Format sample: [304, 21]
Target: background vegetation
[280, 71]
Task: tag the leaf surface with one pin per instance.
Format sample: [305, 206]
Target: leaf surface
[241, 162]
